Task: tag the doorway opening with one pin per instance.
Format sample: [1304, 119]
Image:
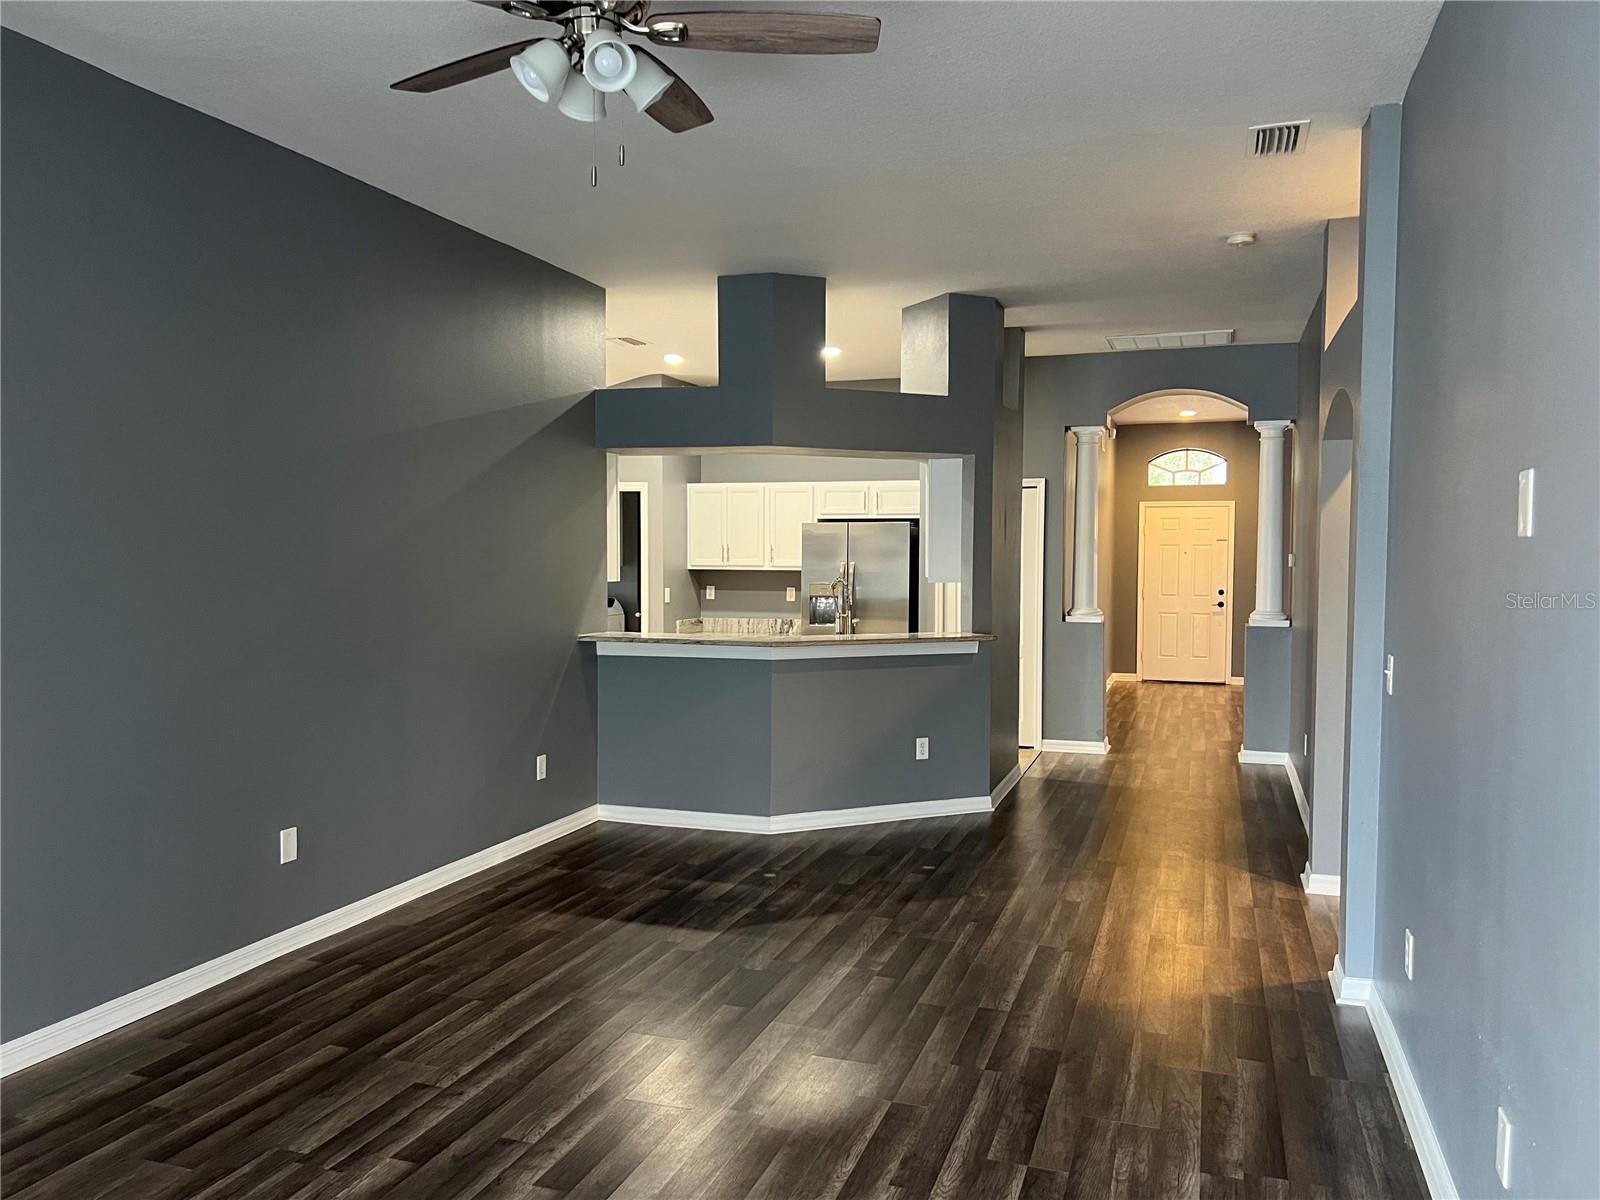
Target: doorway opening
[1030, 640]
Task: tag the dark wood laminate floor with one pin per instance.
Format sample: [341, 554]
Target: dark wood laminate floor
[1112, 987]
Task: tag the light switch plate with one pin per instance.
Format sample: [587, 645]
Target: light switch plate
[711, 591]
[1411, 955]
[540, 767]
[288, 844]
[667, 596]
[1525, 503]
[788, 593]
[1388, 675]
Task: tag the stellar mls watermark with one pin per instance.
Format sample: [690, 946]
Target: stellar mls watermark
[1552, 601]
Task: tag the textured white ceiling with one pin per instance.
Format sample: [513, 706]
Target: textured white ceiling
[1081, 162]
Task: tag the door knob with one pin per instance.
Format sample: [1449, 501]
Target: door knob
[1219, 604]
[1222, 591]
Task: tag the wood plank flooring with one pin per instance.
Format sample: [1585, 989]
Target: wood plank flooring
[1112, 987]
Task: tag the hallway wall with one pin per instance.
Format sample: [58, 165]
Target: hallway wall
[1489, 847]
[1135, 445]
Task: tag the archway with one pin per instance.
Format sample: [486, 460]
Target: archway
[1331, 648]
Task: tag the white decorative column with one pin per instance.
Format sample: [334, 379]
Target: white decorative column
[1086, 526]
[1269, 526]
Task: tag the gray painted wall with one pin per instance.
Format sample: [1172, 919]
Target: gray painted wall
[1489, 847]
[787, 737]
[302, 513]
[1135, 446]
[1301, 595]
[1080, 389]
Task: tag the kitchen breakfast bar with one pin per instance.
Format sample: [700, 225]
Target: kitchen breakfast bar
[774, 734]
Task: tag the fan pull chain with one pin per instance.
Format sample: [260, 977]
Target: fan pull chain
[622, 137]
[594, 154]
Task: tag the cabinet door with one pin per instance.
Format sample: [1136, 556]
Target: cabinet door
[899, 498]
[843, 500]
[788, 508]
[746, 538]
[708, 525]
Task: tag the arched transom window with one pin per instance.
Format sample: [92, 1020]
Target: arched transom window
[1187, 468]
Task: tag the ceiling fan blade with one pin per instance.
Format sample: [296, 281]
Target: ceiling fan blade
[767, 32]
[679, 109]
[463, 70]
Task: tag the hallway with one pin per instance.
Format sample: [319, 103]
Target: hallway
[1112, 987]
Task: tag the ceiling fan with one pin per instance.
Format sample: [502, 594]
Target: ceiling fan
[589, 60]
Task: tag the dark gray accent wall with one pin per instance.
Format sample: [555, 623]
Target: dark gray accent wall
[1081, 389]
[302, 513]
[1135, 446]
[1489, 839]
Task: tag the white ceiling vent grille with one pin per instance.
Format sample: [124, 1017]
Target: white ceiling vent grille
[1171, 341]
[1274, 141]
[626, 341]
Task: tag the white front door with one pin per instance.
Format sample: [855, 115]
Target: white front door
[1185, 592]
[1030, 641]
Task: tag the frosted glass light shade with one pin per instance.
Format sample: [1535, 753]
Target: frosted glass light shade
[543, 69]
[649, 83]
[609, 63]
[580, 101]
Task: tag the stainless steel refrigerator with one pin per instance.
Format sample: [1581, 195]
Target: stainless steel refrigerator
[873, 563]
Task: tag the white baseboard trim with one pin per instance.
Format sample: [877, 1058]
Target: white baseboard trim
[74, 1031]
[1264, 758]
[1319, 885]
[1430, 1152]
[1300, 800]
[1003, 788]
[1069, 746]
[833, 818]
[1120, 677]
[1235, 680]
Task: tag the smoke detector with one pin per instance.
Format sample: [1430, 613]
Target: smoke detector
[1240, 239]
[1277, 140]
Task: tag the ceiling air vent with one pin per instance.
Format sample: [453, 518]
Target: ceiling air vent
[1274, 141]
[626, 341]
[1171, 341]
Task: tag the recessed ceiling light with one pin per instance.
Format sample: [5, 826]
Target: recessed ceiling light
[673, 360]
[831, 352]
[1241, 239]
[1186, 412]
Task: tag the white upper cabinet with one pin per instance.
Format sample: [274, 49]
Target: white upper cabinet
[757, 526]
[708, 525]
[747, 524]
[843, 499]
[789, 506]
[897, 498]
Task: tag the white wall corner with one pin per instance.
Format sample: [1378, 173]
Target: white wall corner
[1004, 788]
[1319, 885]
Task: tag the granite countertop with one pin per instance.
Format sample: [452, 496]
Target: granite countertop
[795, 639]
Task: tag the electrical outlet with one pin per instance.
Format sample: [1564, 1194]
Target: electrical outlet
[1502, 1147]
[1388, 675]
[711, 591]
[1525, 503]
[788, 593]
[667, 597]
[540, 767]
[922, 748]
[288, 844]
[1411, 954]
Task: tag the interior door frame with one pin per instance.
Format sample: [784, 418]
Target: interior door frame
[1233, 572]
[1035, 553]
[650, 587]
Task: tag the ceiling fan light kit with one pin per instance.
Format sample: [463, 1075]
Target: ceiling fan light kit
[543, 69]
[590, 59]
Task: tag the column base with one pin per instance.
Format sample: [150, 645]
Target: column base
[1088, 614]
[1274, 620]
